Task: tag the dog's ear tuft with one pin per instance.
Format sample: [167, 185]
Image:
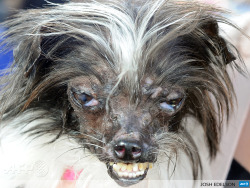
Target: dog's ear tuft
[23, 51]
[218, 45]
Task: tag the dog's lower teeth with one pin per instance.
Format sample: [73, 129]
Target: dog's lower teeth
[125, 174]
[120, 174]
[130, 170]
[138, 173]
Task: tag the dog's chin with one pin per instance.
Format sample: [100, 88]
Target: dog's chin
[127, 174]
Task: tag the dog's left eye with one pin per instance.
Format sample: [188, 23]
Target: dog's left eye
[171, 104]
[85, 99]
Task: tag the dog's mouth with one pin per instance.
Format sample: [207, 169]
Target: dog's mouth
[126, 174]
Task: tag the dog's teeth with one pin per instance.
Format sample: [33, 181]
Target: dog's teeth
[135, 167]
[129, 167]
[138, 173]
[140, 166]
[150, 165]
[124, 167]
[116, 167]
[120, 174]
[130, 170]
[134, 175]
[125, 174]
[119, 165]
[130, 175]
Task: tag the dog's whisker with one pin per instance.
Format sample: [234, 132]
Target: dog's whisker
[91, 144]
[70, 150]
[93, 137]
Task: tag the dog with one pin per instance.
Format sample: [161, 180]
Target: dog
[128, 93]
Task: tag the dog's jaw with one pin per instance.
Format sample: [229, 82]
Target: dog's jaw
[128, 174]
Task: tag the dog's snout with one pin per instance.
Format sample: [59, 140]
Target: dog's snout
[128, 150]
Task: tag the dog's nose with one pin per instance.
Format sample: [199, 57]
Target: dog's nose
[128, 150]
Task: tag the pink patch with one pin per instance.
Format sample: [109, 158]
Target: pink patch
[70, 174]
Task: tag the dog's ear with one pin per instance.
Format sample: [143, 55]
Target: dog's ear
[27, 51]
[37, 53]
[215, 42]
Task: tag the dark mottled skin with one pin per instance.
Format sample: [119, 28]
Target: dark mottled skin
[122, 120]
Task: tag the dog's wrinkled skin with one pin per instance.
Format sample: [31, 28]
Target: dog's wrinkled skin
[120, 78]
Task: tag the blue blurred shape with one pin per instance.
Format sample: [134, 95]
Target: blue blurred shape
[5, 58]
[243, 183]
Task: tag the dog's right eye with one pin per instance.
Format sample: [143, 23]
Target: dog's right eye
[85, 99]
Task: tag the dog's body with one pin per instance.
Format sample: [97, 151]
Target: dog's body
[114, 86]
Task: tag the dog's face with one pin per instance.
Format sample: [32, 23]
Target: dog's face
[123, 135]
[120, 78]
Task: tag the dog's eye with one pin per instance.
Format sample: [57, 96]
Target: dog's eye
[173, 102]
[171, 105]
[85, 99]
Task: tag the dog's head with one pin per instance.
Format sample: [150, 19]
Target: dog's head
[120, 77]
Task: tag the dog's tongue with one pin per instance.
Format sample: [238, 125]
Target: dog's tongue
[70, 174]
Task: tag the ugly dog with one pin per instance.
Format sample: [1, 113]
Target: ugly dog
[130, 93]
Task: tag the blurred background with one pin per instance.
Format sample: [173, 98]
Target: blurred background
[8, 7]
[233, 161]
